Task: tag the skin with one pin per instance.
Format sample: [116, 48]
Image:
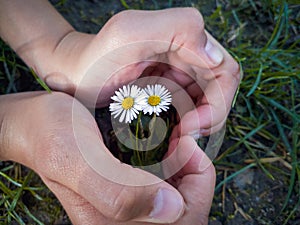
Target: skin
[43, 140]
[81, 64]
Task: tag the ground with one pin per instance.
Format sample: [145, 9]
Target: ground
[258, 167]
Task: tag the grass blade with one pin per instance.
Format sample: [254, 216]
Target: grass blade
[234, 175]
[40, 81]
[279, 106]
[257, 81]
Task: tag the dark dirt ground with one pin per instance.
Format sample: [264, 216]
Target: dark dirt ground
[248, 199]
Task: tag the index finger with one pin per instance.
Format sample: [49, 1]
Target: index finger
[213, 108]
[195, 181]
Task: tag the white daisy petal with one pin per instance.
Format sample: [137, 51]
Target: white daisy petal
[158, 98]
[122, 116]
[115, 98]
[128, 101]
[127, 119]
[151, 110]
[119, 96]
[117, 113]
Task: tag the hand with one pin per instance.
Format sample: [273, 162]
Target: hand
[149, 43]
[44, 140]
[171, 43]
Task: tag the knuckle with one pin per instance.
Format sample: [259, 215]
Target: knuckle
[117, 18]
[195, 17]
[124, 207]
[117, 27]
[236, 70]
[210, 171]
[120, 20]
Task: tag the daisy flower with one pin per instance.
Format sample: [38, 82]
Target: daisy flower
[128, 101]
[158, 98]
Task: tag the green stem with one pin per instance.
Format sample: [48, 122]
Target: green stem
[149, 138]
[138, 125]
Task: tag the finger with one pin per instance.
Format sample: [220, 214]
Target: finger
[130, 44]
[184, 151]
[198, 182]
[136, 42]
[219, 92]
[80, 161]
[157, 203]
[133, 27]
[79, 210]
[195, 181]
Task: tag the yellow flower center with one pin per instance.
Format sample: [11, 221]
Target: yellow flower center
[154, 100]
[127, 103]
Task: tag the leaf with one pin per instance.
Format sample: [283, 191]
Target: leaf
[40, 81]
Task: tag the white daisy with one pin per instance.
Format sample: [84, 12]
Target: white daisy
[128, 101]
[158, 98]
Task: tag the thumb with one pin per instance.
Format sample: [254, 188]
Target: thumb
[118, 191]
[156, 203]
[143, 198]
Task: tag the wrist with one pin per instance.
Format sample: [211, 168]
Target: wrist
[16, 121]
[34, 31]
[60, 59]
[41, 36]
[38, 53]
[30, 123]
[7, 126]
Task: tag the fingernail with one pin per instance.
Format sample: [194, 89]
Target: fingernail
[196, 134]
[168, 207]
[214, 53]
[204, 132]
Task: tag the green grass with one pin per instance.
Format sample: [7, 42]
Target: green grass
[262, 129]
[265, 120]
